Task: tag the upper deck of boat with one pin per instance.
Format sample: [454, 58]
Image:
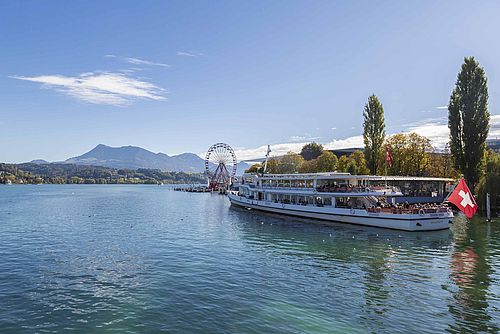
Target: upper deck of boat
[343, 176]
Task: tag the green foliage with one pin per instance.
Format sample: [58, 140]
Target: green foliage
[287, 164]
[76, 174]
[290, 163]
[360, 162]
[273, 165]
[311, 151]
[441, 165]
[308, 166]
[490, 183]
[255, 168]
[410, 154]
[342, 164]
[468, 120]
[326, 162]
[354, 164]
[373, 132]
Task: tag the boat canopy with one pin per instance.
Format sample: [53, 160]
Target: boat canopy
[344, 176]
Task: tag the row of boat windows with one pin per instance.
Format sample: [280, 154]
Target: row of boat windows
[340, 202]
[308, 183]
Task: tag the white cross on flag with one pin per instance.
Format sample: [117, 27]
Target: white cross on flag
[463, 199]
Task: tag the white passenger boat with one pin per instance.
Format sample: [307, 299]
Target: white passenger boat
[340, 197]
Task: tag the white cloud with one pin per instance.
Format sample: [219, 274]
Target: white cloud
[349, 142]
[433, 110]
[494, 126]
[138, 61]
[306, 137]
[436, 129]
[188, 54]
[100, 88]
[260, 152]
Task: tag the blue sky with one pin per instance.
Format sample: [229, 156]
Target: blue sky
[178, 76]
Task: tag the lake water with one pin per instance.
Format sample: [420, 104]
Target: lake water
[147, 259]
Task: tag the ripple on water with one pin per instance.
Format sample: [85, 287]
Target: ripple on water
[145, 259]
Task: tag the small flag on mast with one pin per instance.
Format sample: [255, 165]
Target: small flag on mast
[388, 156]
[463, 199]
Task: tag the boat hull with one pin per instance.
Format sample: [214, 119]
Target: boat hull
[407, 222]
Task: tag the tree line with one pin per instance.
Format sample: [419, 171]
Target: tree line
[412, 155]
[409, 154]
[30, 173]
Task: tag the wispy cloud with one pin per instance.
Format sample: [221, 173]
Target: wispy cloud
[137, 61]
[306, 137]
[100, 88]
[188, 54]
[433, 110]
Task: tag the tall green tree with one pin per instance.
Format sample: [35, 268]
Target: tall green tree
[373, 132]
[468, 120]
[311, 151]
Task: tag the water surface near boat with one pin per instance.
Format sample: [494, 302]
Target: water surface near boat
[146, 259]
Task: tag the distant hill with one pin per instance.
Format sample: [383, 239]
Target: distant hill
[39, 162]
[64, 173]
[134, 157]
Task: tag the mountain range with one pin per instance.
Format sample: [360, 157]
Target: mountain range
[133, 157]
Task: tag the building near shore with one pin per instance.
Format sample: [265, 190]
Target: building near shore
[493, 144]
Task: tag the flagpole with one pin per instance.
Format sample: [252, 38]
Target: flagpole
[451, 191]
[386, 175]
[267, 157]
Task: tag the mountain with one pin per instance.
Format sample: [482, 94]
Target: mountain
[39, 162]
[133, 157]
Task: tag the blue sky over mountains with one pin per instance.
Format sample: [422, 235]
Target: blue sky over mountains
[178, 76]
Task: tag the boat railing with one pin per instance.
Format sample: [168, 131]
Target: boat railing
[412, 211]
[287, 188]
[347, 189]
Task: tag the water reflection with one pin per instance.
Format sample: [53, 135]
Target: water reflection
[470, 271]
[369, 270]
[381, 268]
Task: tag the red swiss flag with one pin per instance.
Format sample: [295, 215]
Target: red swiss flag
[388, 156]
[463, 199]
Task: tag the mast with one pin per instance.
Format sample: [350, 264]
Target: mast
[267, 157]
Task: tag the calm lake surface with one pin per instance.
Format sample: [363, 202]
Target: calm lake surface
[147, 259]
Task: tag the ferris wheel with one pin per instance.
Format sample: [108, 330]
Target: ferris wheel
[220, 165]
